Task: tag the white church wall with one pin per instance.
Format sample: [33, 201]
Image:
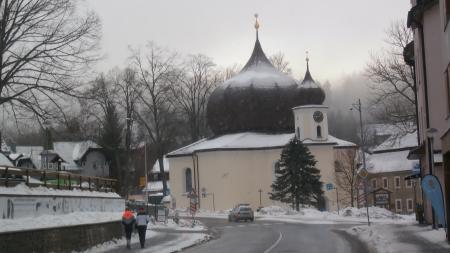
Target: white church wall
[236, 176]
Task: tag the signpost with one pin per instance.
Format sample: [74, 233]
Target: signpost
[193, 204]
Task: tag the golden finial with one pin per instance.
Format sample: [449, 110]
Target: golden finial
[307, 60]
[256, 22]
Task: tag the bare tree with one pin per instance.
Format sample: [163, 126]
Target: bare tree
[44, 44]
[191, 92]
[279, 62]
[346, 166]
[156, 73]
[393, 87]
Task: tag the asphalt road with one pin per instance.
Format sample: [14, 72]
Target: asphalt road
[267, 236]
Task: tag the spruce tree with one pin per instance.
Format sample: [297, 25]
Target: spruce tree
[297, 179]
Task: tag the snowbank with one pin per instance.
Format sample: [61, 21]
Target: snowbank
[351, 215]
[388, 238]
[156, 243]
[183, 225]
[48, 221]
[22, 189]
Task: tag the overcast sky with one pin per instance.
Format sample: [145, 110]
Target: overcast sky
[338, 34]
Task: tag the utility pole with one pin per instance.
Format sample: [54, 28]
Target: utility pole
[260, 200]
[358, 107]
[146, 176]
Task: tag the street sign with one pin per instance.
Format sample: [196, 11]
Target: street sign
[329, 186]
[363, 173]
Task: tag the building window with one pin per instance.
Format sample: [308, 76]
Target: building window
[298, 133]
[409, 205]
[398, 205]
[319, 132]
[385, 182]
[397, 182]
[188, 179]
[408, 183]
[94, 165]
[374, 183]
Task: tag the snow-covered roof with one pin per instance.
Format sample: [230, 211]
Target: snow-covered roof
[73, 151]
[31, 152]
[390, 162]
[155, 168]
[4, 160]
[251, 140]
[155, 186]
[14, 156]
[398, 142]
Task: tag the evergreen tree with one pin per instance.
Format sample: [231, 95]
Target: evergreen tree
[297, 179]
[111, 138]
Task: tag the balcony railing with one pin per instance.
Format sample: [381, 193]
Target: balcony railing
[11, 176]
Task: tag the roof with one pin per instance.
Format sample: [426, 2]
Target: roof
[4, 160]
[308, 81]
[31, 152]
[155, 186]
[251, 141]
[390, 162]
[155, 168]
[71, 152]
[408, 141]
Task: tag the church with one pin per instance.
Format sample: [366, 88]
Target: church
[253, 116]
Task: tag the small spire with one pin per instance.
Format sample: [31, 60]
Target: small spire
[256, 24]
[307, 61]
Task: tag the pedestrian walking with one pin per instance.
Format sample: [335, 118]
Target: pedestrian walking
[128, 221]
[142, 220]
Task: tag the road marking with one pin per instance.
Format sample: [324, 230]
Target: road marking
[275, 244]
[241, 226]
[266, 224]
[228, 226]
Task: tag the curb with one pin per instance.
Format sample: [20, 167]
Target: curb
[206, 239]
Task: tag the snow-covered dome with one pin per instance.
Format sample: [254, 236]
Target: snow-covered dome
[260, 98]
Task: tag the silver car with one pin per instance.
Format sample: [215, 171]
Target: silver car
[241, 212]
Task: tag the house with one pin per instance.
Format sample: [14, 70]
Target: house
[82, 157]
[429, 55]
[28, 156]
[390, 184]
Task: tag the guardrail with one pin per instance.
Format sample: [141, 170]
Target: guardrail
[11, 176]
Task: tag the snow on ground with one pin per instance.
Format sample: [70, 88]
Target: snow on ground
[183, 225]
[314, 216]
[389, 238]
[22, 189]
[182, 240]
[48, 221]
[347, 215]
[381, 239]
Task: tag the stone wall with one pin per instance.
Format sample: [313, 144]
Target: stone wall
[63, 239]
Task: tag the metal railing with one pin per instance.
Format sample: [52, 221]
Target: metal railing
[11, 176]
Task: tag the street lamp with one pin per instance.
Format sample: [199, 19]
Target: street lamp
[363, 173]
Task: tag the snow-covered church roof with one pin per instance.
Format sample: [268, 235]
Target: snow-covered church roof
[251, 141]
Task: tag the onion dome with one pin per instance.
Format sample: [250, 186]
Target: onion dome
[259, 98]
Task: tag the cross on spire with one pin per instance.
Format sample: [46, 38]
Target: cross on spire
[307, 61]
[256, 24]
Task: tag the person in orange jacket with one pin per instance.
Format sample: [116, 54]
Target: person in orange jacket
[128, 221]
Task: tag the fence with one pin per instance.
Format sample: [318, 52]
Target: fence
[11, 176]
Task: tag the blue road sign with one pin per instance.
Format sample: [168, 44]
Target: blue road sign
[329, 186]
[433, 192]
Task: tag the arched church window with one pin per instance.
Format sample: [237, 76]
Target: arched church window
[188, 179]
[298, 133]
[319, 132]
